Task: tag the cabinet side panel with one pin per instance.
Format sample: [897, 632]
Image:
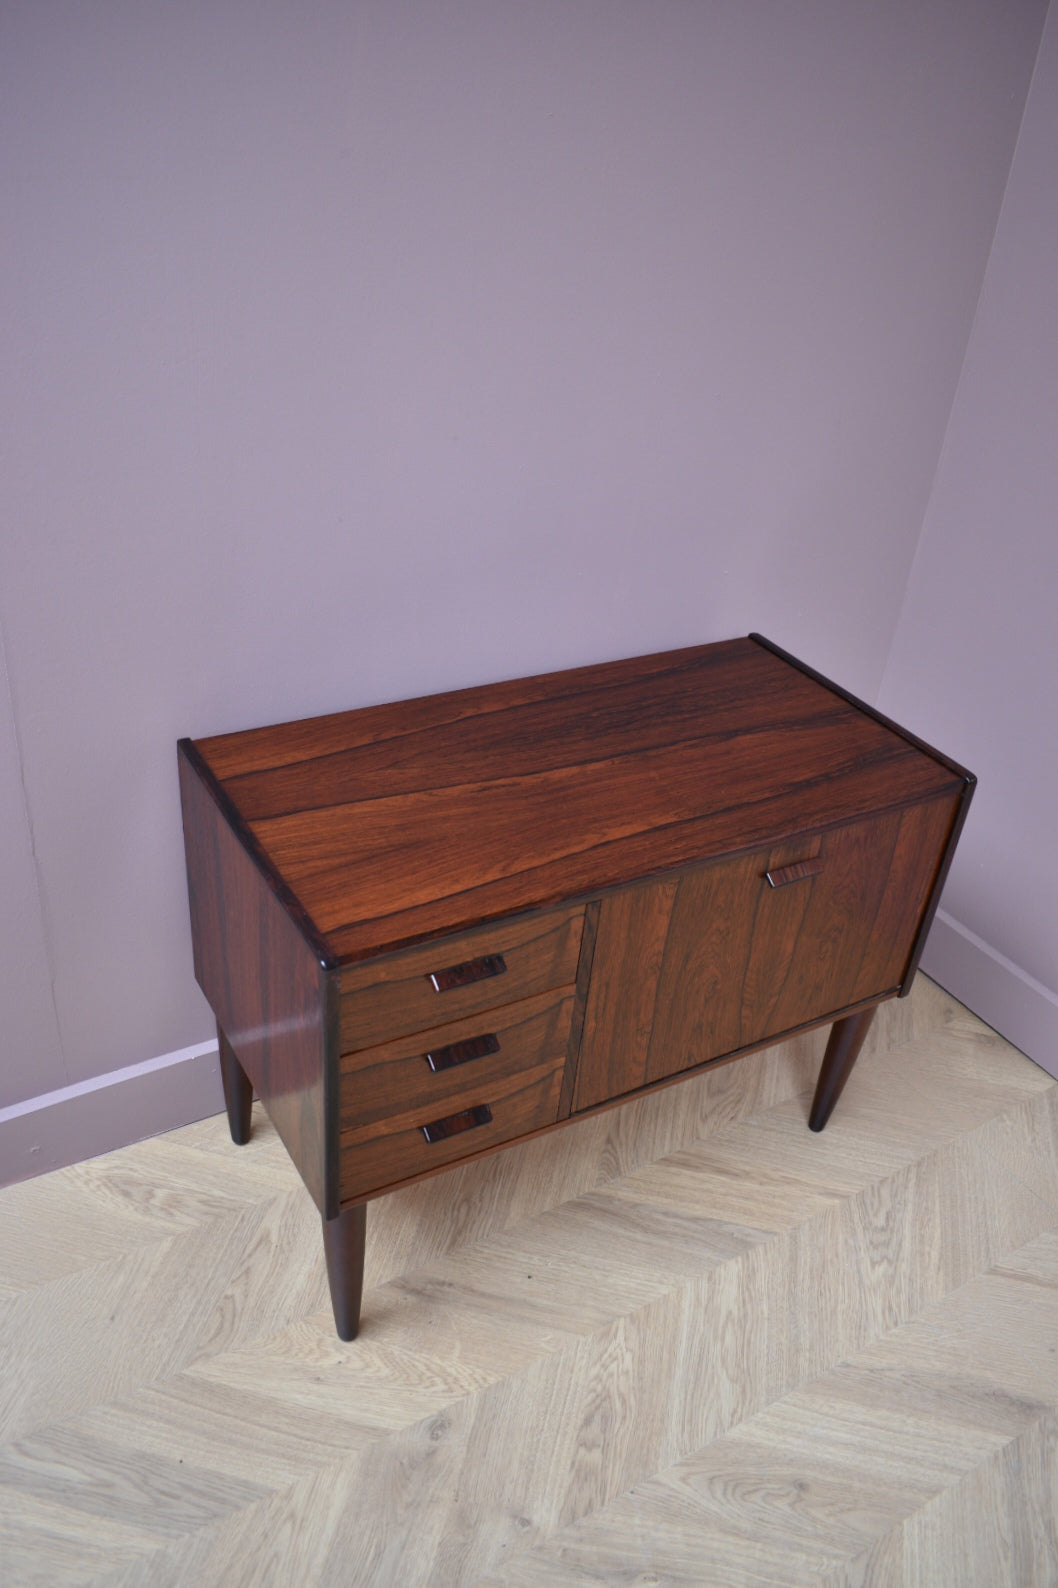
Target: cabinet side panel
[271, 996]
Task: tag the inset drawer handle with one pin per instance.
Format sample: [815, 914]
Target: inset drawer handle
[794, 873]
[471, 970]
[469, 1119]
[462, 1052]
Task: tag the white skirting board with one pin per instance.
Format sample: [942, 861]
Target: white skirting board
[109, 1111]
[1007, 998]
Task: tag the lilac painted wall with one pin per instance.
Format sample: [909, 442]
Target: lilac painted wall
[363, 349]
[29, 1033]
[975, 656]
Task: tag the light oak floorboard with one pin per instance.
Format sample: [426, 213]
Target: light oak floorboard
[686, 1342]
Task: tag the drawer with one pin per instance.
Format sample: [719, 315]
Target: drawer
[467, 1056]
[456, 976]
[396, 1148]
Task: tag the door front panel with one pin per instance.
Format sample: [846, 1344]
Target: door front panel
[736, 951]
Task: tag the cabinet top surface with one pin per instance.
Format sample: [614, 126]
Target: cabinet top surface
[394, 823]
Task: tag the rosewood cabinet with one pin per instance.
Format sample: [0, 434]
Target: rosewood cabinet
[430, 929]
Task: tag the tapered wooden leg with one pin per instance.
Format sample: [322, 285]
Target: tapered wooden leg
[238, 1091]
[344, 1241]
[846, 1040]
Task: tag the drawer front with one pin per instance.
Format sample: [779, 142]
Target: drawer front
[437, 1070]
[396, 1148]
[736, 951]
[460, 976]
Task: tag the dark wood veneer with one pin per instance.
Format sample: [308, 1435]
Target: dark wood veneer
[393, 1149]
[395, 994]
[276, 1004]
[373, 1080]
[674, 859]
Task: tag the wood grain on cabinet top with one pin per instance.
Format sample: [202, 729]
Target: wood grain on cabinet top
[396, 823]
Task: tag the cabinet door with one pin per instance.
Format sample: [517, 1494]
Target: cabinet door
[693, 967]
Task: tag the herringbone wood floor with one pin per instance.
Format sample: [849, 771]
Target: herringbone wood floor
[686, 1342]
